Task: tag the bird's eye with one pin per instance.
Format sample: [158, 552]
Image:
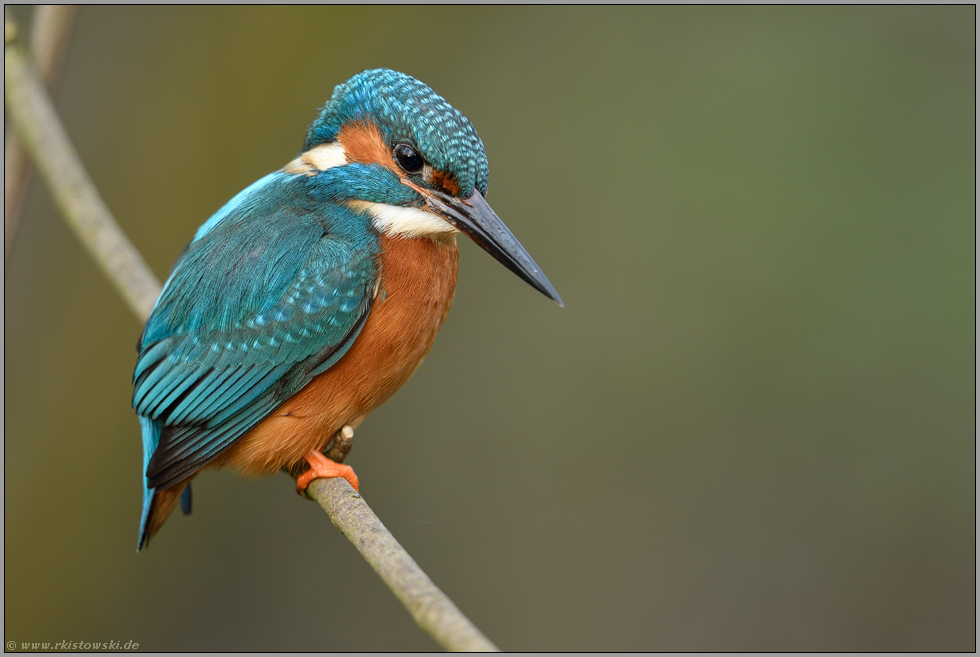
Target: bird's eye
[408, 159]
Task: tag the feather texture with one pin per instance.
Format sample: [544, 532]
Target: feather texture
[259, 303]
[314, 294]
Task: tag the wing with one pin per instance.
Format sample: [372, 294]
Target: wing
[257, 306]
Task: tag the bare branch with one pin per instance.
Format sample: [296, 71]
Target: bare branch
[35, 121]
[432, 610]
[47, 143]
[49, 40]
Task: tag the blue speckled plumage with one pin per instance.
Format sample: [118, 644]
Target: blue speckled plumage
[258, 305]
[277, 285]
[407, 110]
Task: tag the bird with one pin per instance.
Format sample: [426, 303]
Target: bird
[309, 298]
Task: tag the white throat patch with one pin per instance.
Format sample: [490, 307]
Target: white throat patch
[399, 221]
[394, 220]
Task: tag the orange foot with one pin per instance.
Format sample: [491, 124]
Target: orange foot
[321, 466]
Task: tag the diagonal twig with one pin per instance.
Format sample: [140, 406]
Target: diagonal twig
[35, 120]
[430, 607]
[49, 40]
[36, 123]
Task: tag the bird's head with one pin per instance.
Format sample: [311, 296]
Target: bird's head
[400, 152]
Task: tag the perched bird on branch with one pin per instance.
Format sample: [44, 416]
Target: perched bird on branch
[314, 294]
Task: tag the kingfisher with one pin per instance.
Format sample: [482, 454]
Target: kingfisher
[314, 294]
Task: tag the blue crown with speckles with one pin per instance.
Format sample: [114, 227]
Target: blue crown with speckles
[407, 111]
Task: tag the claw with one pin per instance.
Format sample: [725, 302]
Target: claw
[321, 466]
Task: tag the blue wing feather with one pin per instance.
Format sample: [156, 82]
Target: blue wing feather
[272, 291]
[151, 438]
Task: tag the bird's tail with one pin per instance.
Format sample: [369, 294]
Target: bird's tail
[157, 504]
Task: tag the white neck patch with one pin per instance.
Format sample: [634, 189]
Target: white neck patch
[326, 156]
[399, 221]
[317, 159]
[393, 220]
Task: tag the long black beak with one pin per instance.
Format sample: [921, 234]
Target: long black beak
[474, 217]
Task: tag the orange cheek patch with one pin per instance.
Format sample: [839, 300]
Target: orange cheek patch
[445, 181]
[363, 143]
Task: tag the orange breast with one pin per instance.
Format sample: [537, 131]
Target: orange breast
[418, 281]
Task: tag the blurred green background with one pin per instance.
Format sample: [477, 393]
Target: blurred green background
[750, 428]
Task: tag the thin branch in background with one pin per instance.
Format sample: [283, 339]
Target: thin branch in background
[49, 42]
[35, 120]
[36, 123]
